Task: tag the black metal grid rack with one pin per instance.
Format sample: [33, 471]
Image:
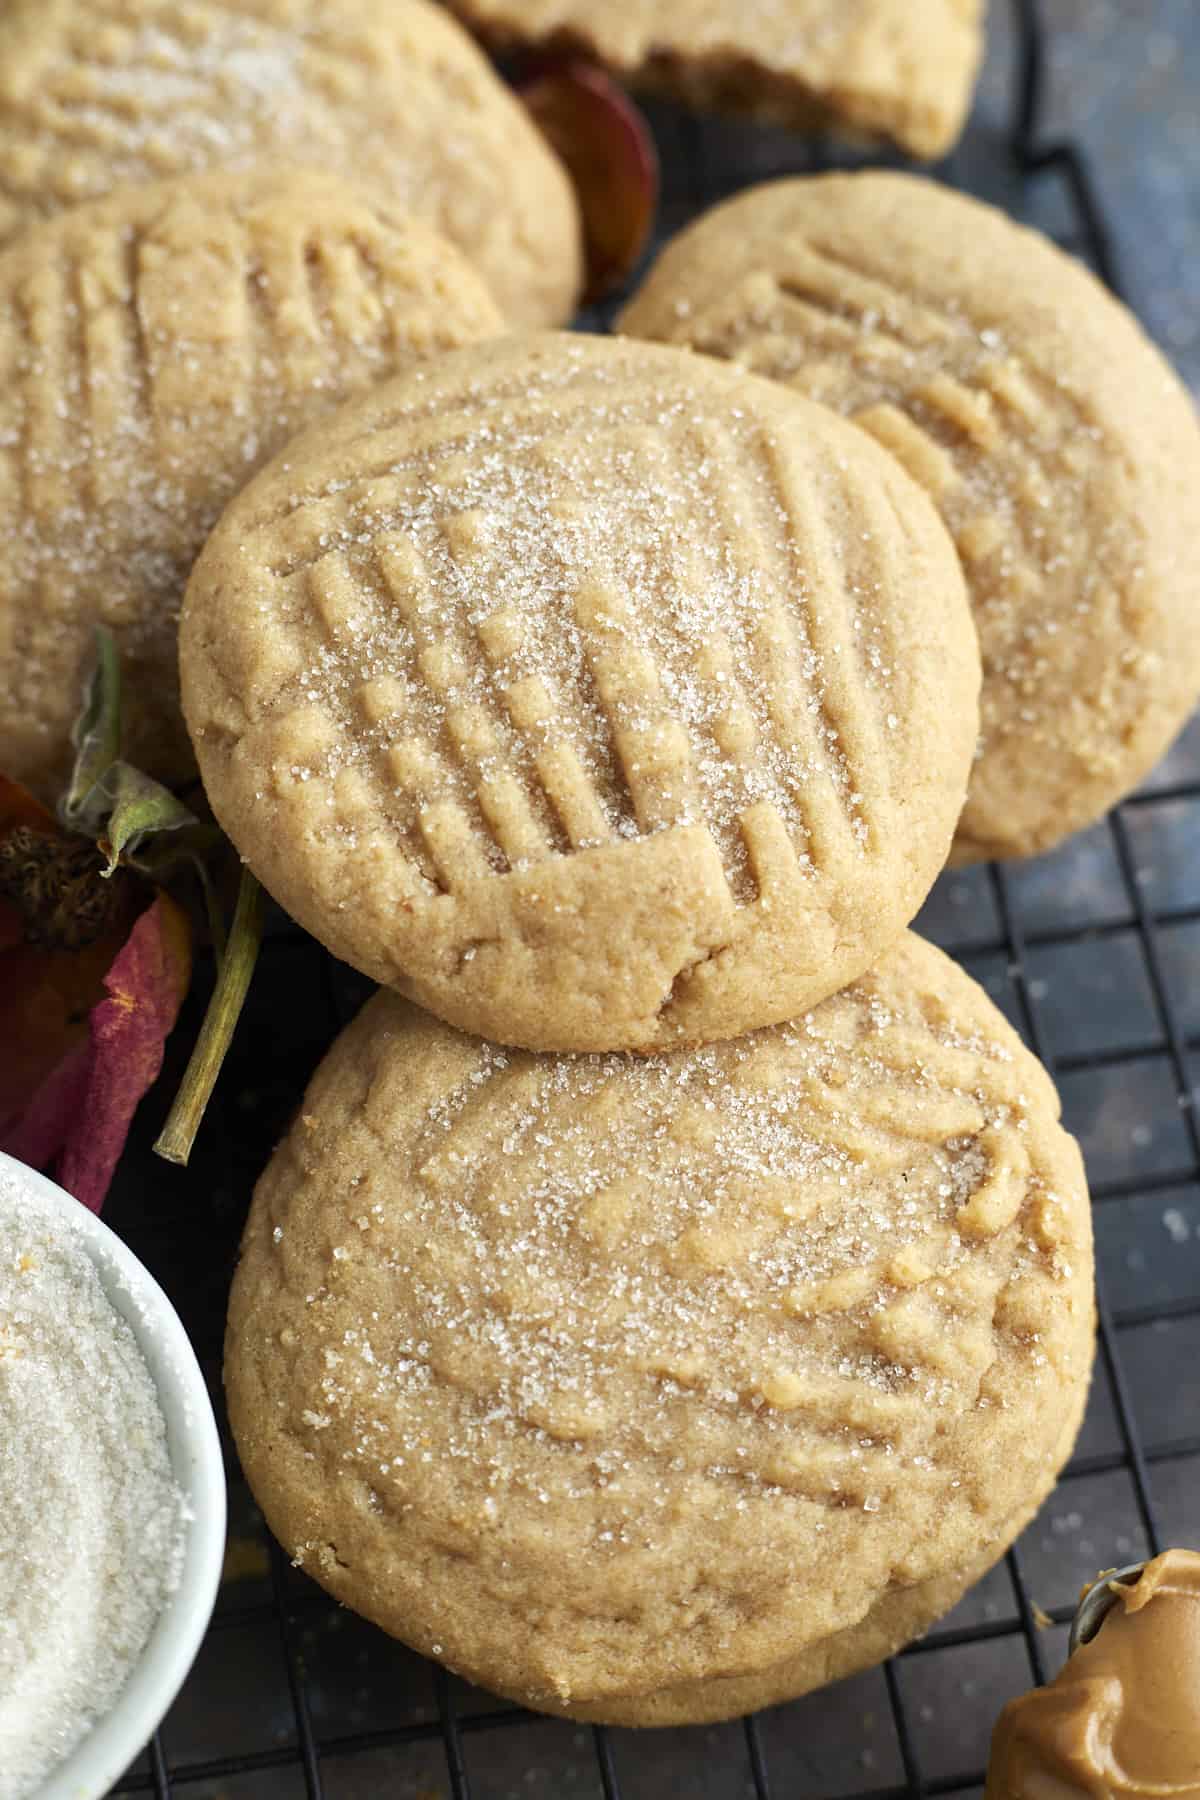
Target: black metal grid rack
[1093, 951]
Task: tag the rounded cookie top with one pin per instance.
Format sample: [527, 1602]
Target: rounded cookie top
[592, 694]
[155, 348]
[1063, 454]
[601, 1376]
[389, 92]
[900, 69]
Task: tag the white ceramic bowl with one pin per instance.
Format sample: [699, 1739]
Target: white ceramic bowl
[101, 1758]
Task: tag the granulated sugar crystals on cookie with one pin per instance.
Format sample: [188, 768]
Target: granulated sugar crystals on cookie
[1060, 448]
[652, 1390]
[155, 348]
[899, 69]
[589, 693]
[99, 94]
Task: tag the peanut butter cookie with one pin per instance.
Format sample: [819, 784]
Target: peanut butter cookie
[97, 94]
[592, 694]
[898, 69]
[646, 1389]
[1061, 450]
[155, 348]
[901, 1615]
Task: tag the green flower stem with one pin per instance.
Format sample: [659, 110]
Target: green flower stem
[233, 978]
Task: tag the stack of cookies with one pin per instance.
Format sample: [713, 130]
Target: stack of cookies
[697, 1319]
[676, 1286]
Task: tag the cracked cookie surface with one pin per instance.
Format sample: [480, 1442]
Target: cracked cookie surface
[591, 694]
[898, 69]
[156, 347]
[645, 1389]
[99, 94]
[1060, 448]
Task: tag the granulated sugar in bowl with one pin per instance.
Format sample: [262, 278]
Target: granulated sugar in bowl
[112, 1498]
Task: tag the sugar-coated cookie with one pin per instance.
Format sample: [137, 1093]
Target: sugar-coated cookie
[648, 1389]
[590, 693]
[898, 69]
[1062, 451]
[155, 348]
[96, 94]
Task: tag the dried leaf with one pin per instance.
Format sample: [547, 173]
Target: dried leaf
[97, 738]
[138, 807]
[125, 812]
[126, 1032]
[609, 152]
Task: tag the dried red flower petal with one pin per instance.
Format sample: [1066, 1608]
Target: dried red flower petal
[145, 989]
[609, 152]
[91, 979]
[80, 1116]
[60, 929]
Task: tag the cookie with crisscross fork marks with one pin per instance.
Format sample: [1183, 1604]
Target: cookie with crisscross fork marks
[155, 348]
[98, 94]
[648, 1388]
[591, 694]
[1060, 448]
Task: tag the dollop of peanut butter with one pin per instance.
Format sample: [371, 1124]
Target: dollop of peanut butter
[1121, 1720]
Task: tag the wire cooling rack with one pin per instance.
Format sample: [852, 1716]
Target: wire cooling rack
[1093, 952]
